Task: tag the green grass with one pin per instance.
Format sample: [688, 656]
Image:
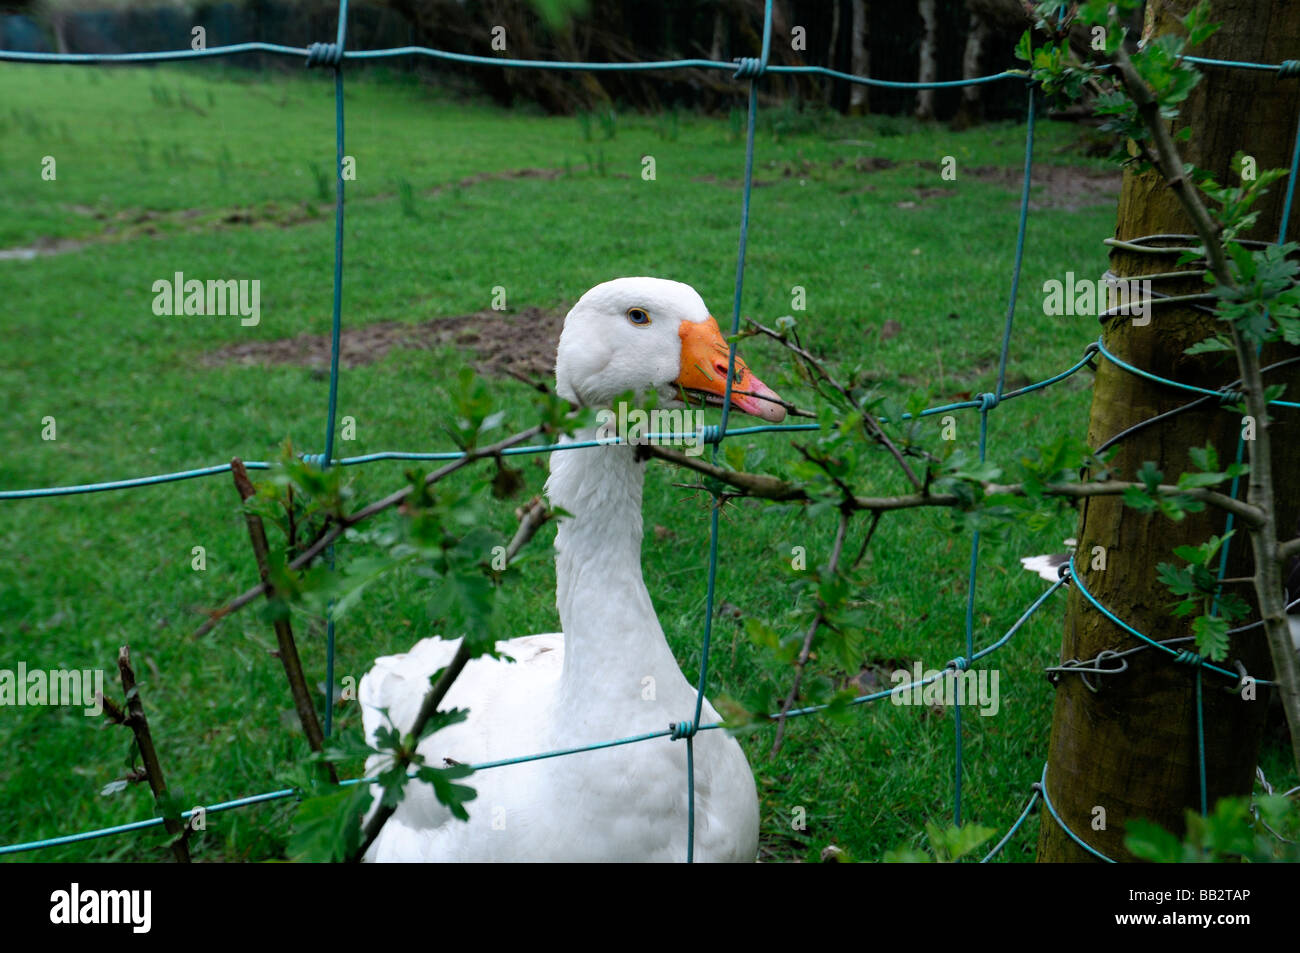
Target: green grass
[153, 165]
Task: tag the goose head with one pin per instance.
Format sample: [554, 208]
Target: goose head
[651, 334]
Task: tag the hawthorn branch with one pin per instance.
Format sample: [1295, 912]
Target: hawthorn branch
[869, 422]
[288, 648]
[805, 651]
[763, 486]
[427, 709]
[1170, 165]
[531, 518]
[1264, 537]
[808, 357]
[134, 718]
[866, 540]
[344, 523]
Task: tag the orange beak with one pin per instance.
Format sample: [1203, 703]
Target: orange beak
[704, 373]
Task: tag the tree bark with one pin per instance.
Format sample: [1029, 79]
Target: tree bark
[719, 33]
[832, 51]
[59, 23]
[928, 70]
[971, 110]
[1130, 749]
[859, 59]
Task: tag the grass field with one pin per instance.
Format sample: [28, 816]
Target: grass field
[228, 174]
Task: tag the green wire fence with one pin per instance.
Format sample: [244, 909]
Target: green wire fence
[334, 55]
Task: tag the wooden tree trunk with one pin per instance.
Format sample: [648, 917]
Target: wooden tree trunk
[928, 70]
[860, 61]
[719, 33]
[59, 22]
[1130, 748]
[832, 51]
[971, 110]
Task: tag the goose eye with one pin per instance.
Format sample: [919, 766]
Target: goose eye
[638, 316]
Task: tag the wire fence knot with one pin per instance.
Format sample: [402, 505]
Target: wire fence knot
[961, 663]
[314, 459]
[1188, 657]
[711, 433]
[1289, 69]
[1091, 666]
[325, 54]
[749, 67]
[989, 401]
[682, 729]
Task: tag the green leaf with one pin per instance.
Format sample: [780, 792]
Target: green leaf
[392, 780]
[1204, 458]
[1198, 25]
[443, 718]
[1176, 508]
[346, 746]
[1210, 344]
[327, 829]
[1177, 580]
[1025, 47]
[1148, 841]
[1211, 633]
[1137, 499]
[952, 843]
[463, 602]
[351, 582]
[1192, 481]
[387, 737]
[454, 796]
[1232, 606]
[1228, 833]
[906, 855]
[1151, 475]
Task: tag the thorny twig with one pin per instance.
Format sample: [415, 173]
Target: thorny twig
[338, 527]
[287, 647]
[1269, 556]
[869, 422]
[133, 717]
[805, 652]
[765, 487]
[427, 710]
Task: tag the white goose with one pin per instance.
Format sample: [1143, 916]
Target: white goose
[610, 673]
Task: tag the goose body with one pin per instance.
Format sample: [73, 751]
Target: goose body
[610, 674]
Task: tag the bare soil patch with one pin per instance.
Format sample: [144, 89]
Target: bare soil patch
[1057, 186]
[504, 344]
